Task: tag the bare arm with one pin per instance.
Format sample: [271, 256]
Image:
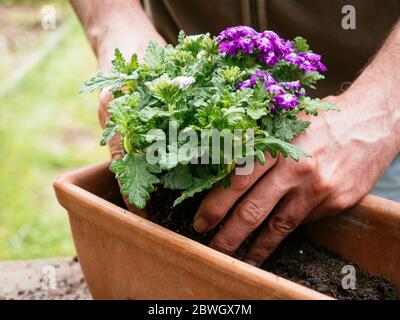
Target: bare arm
[115, 24]
[379, 84]
[350, 150]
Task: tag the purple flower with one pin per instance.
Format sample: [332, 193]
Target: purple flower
[245, 45]
[244, 84]
[286, 101]
[264, 75]
[263, 44]
[269, 47]
[307, 61]
[183, 82]
[235, 39]
[314, 61]
[295, 86]
[274, 89]
[234, 33]
[281, 99]
[280, 45]
[293, 58]
[272, 48]
[258, 74]
[270, 58]
[268, 44]
[229, 47]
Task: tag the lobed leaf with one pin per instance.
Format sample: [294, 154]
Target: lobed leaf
[137, 178]
[275, 146]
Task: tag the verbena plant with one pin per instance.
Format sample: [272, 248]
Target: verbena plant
[241, 79]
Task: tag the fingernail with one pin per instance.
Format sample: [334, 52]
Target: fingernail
[251, 262]
[200, 224]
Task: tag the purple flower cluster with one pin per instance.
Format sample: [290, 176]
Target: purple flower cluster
[306, 61]
[295, 86]
[235, 39]
[250, 83]
[285, 101]
[281, 99]
[270, 47]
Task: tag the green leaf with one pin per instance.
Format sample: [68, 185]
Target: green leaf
[309, 79]
[178, 178]
[232, 74]
[286, 128]
[112, 81]
[226, 182]
[119, 62]
[120, 110]
[312, 106]
[147, 113]
[120, 65]
[274, 145]
[181, 36]
[198, 185]
[166, 92]
[239, 98]
[137, 178]
[154, 55]
[234, 114]
[267, 124]
[260, 156]
[256, 113]
[109, 132]
[301, 44]
[155, 135]
[134, 64]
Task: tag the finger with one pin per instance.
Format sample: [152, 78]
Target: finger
[328, 208]
[287, 217]
[250, 212]
[212, 210]
[114, 146]
[140, 212]
[105, 97]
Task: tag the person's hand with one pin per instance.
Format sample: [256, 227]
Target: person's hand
[349, 150]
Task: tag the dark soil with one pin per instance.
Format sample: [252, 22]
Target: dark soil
[296, 259]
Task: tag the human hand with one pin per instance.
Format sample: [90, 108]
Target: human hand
[350, 150]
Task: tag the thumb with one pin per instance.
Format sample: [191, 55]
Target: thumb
[105, 97]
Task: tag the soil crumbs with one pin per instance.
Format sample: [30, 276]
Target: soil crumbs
[296, 259]
[43, 279]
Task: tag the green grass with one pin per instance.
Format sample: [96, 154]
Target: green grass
[45, 128]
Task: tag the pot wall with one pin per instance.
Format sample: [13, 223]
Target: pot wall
[124, 256]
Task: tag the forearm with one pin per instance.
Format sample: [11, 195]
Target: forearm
[115, 24]
[378, 88]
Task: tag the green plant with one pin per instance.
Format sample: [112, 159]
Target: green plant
[244, 84]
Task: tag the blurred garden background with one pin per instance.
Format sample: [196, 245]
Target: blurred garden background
[46, 127]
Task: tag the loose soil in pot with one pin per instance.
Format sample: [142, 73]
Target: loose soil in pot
[296, 259]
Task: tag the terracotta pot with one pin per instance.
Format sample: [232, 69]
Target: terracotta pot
[126, 257]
